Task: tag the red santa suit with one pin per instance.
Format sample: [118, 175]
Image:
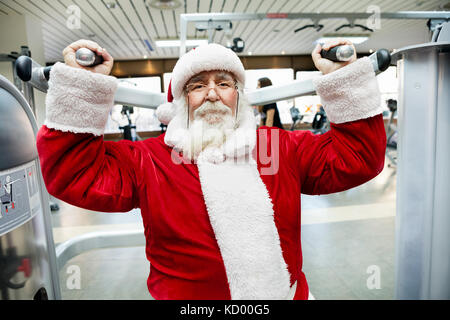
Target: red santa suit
[226, 226]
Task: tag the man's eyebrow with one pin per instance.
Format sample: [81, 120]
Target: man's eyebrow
[197, 78]
[224, 76]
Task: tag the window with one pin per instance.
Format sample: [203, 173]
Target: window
[278, 77]
[308, 105]
[388, 84]
[144, 119]
[167, 77]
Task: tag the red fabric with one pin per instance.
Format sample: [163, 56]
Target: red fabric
[169, 92]
[186, 263]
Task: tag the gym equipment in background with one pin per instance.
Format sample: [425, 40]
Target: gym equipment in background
[296, 117]
[27, 253]
[129, 130]
[391, 134]
[320, 124]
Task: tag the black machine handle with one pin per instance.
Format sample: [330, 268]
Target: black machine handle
[30, 71]
[24, 67]
[381, 59]
[338, 53]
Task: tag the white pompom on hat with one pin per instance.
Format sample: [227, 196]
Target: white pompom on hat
[166, 111]
[206, 57]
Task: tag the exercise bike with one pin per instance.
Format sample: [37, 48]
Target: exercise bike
[391, 134]
[296, 117]
[320, 123]
[129, 130]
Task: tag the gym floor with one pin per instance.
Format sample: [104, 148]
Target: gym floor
[347, 242]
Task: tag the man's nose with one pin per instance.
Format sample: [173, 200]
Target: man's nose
[212, 94]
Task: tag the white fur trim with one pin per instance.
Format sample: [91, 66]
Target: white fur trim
[350, 93]
[177, 128]
[207, 57]
[78, 100]
[165, 112]
[241, 214]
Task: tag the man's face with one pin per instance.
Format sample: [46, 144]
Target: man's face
[211, 88]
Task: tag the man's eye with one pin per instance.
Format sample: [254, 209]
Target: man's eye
[224, 84]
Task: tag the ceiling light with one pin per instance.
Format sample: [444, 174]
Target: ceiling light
[282, 52]
[249, 53]
[110, 5]
[176, 43]
[354, 38]
[163, 4]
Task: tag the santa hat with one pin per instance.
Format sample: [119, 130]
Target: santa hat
[206, 57]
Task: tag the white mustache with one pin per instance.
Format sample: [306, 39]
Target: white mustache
[212, 107]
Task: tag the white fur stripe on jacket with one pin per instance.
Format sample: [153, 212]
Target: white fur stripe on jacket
[350, 93]
[78, 100]
[241, 214]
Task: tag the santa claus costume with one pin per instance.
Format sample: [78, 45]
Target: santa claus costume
[226, 223]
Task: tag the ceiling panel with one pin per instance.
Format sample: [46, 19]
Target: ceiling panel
[142, 36]
[124, 28]
[229, 7]
[304, 40]
[118, 32]
[217, 6]
[266, 30]
[8, 9]
[128, 30]
[191, 7]
[92, 26]
[254, 27]
[98, 29]
[240, 27]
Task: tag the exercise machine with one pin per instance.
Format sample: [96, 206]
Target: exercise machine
[29, 70]
[422, 226]
[27, 88]
[296, 117]
[129, 130]
[320, 123]
[27, 252]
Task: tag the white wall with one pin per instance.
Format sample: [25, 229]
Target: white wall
[23, 30]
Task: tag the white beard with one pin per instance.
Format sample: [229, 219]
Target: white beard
[214, 136]
[213, 123]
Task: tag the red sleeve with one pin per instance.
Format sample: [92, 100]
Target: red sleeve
[87, 172]
[348, 155]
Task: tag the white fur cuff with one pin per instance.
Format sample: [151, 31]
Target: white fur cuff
[78, 100]
[350, 93]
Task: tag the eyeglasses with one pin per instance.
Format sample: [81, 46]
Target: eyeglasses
[202, 88]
